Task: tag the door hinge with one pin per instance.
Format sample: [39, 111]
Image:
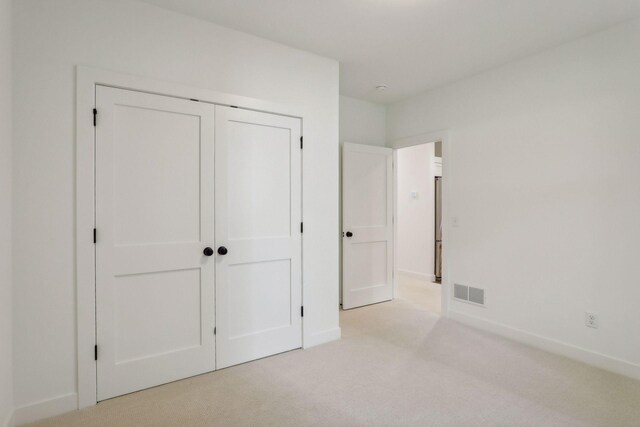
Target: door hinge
[301, 143]
[95, 235]
[214, 330]
[95, 117]
[302, 311]
[302, 227]
[95, 352]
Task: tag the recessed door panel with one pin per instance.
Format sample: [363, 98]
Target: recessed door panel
[154, 216]
[368, 204]
[156, 176]
[168, 324]
[259, 183]
[250, 286]
[259, 277]
[370, 259]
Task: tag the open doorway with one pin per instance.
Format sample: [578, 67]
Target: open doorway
[380, 186]
[418, 225]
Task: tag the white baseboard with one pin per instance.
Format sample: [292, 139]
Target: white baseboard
[415, 274]
[322, 337]
[45, 409]
[8, 421]
[584, 355]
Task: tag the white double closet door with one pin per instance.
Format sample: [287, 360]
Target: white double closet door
[173, 178]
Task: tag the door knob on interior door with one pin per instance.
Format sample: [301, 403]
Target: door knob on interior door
[222, 250]
[349, 234]
[207, 251]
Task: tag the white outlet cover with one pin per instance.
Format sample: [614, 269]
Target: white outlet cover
[414, 194]
[591, 320]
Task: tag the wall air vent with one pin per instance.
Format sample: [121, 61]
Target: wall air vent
[476, 295]
[461, 292]
[468, 294]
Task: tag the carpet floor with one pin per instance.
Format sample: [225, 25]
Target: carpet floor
[397, 365]
[420, 293]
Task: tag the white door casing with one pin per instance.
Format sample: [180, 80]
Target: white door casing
[154, 216]
[258, 221]
[367, 225]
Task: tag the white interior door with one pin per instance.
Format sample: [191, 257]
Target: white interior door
[154, 216]
[367, 225]
[258, 222]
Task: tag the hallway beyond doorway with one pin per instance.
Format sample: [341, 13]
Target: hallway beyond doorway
[420, 292]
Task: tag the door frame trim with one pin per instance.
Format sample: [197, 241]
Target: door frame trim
[412, 141]
[87, 78]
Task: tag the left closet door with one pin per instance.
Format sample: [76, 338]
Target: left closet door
[154, 220]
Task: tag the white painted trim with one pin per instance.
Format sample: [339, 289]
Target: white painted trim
[85, 220]
[45, 409]
[86, 80]
[322, 337]
[410, 141]
[394, 288]
[9, 420]
[580, 354]
[445, 287]
[416, 275]
[340, 225]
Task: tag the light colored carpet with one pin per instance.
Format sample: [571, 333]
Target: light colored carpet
[397, 365]
[421, 293]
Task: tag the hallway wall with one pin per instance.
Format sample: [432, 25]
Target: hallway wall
[416, 217]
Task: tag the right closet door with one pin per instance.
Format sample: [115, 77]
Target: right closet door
[258, 235]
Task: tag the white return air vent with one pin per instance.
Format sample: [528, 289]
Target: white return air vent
[468, 294]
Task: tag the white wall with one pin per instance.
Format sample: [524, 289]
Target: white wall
[362, 122]
[135, 38]
[6, 382]
[543, 171]
[416, 216]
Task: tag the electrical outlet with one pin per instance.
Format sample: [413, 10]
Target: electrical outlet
[591, 320]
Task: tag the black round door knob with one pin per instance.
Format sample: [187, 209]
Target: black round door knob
[207, 251]
[349, 234]
[222, 250]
